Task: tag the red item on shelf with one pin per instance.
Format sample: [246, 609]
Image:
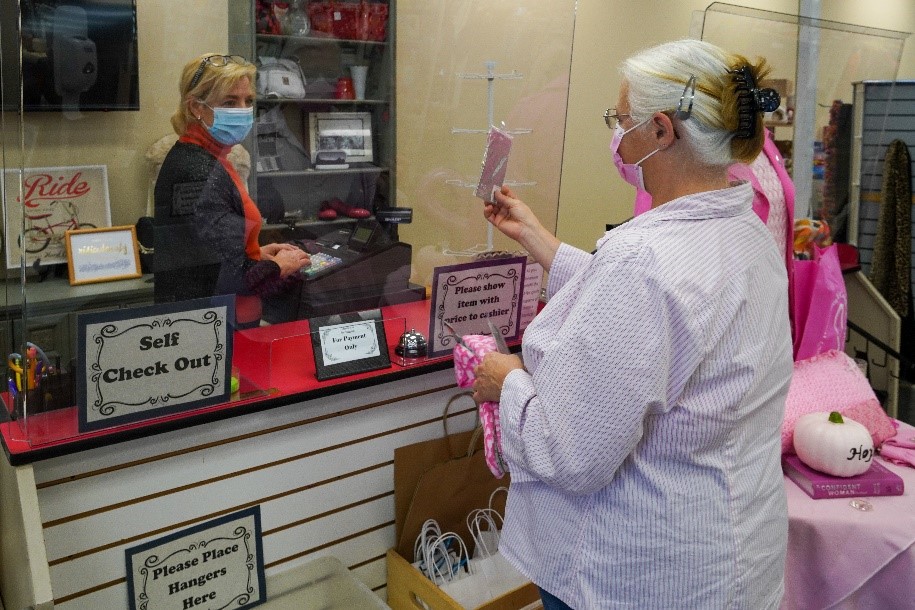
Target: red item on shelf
[341, 207]
[349, 20]
[326, 213]
[848, 257]
[267, 20]
[344, 90]
[321, 15]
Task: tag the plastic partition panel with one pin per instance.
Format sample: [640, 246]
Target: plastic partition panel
[464, 66]
[838, 55]
[67, 166]
[439, 75]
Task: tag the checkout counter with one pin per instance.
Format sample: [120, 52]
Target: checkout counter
[316, 457]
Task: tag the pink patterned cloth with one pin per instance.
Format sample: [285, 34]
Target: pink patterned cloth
[464, 362]
[832, 381]
[900, 449]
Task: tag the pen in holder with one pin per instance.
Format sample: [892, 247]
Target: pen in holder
[52, 391]
[35, 385]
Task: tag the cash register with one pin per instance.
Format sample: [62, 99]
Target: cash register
[352, 269]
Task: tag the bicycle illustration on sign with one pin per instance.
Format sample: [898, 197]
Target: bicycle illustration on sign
[40, 204]
[41, 232]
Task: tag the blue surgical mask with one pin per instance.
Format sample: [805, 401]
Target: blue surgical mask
[231, 125]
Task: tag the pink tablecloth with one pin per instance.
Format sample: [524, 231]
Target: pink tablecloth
[841, 557]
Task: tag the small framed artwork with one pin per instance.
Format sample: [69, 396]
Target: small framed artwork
[349, 132]
[102, 255]
[349, 343]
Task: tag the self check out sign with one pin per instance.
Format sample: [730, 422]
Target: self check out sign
[151, 361]
[181, 363]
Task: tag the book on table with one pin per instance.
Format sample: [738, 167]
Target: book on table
[876, 481]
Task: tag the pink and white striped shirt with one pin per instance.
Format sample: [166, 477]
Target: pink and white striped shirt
[643, 439]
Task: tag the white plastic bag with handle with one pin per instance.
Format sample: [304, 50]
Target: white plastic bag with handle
[485, 527]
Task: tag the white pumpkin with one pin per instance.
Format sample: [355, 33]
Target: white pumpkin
[832, 444]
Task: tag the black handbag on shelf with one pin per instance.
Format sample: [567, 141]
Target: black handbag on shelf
[146, 242]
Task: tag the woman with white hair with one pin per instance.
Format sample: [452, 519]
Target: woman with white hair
[642, 427]
[203, 207]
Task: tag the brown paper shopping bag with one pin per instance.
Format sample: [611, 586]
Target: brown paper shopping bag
[442, 479]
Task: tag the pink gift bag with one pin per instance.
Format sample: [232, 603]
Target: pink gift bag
[819, 304]
[465, 360]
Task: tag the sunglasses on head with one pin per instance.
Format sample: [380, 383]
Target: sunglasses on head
[217, 61]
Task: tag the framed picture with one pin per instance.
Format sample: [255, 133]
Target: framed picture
[349, 132]
[48, 202]
[102, 255]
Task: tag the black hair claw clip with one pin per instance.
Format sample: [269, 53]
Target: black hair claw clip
[751, 100]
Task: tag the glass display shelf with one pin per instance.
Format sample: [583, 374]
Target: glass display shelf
[319, 100]
[318, 40]
[370, 169]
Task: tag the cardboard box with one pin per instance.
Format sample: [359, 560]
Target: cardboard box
[409, 589]
[450, 483]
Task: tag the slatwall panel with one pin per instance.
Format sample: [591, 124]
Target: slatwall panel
[887, 114]
[321, 472]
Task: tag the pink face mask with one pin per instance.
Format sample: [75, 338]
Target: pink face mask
[643, 202]
[632, 172]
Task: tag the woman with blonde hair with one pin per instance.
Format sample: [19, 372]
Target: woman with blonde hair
[207, 225]
[642, 426]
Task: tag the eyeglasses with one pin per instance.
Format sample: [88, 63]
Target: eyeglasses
[684, 109]
[613, 118]
[217, 61]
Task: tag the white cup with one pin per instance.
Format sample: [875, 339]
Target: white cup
[359, 75]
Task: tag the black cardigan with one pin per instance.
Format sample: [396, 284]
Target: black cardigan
[200, 231]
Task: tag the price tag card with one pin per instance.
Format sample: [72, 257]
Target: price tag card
[495, 163]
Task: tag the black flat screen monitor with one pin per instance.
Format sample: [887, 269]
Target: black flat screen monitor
[75, 54]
